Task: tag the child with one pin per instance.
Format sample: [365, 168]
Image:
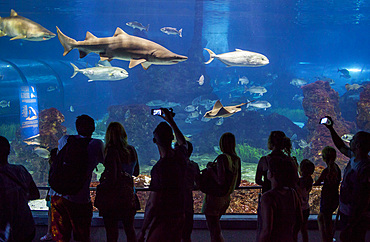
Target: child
[331, 177]
[304, 186]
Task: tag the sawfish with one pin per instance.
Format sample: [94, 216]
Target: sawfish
[219, 110]
[18, 27]
[122, 46]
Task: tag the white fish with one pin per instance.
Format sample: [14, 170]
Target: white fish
[239, 58]
[243, 80]
[347, 137]
[220, 121]
[102, 73]
[137, 25]
[303, 144]
[42, 152]
[298, 82]
[190, 108]
[193, 115]
[4, 104]
[201, 80]
[256, 90]
[71, 109]
[173, 31]
[259, 104]
[205, 119]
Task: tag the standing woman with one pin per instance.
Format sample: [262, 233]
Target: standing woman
[214, 207]
[119, 156]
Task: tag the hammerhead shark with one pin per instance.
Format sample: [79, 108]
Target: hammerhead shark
[19, 27]
[122, 46]
[219, 110]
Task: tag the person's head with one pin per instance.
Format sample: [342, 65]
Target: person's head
[163, 135]
[329, 154]
[228, 143]
[306, 167]
[360, 143]
[4, 150]
[282, 171]
[278, 140]
[85, 125]
[116, 135]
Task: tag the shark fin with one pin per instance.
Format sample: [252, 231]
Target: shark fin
[13, 13]
[238, 50]
[75, 70]
[134, 62]
[119, 31]
[19, 37]
[82, 54]
[66, 41]
[222, 112]
[104, 58]
[217, 105]
[90, 36]
[145, 65]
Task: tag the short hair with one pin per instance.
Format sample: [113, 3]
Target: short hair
[228, 143]
[307, 167]
[164, 134]
[329, 154]
[85, 125]
[4, 147]
[362, 140]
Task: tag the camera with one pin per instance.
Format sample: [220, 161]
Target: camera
[156, 111]
[325, 120]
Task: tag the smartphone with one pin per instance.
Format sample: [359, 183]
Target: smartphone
[325, 120]
[156, 112]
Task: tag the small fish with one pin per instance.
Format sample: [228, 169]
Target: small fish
[205, 119]
[188, 120]
[101, 73]
[259, 104]
[243, 80]
[137, 25]
[255, 90]
[347, 137]
[194, 114]
[201, 80]
[190, 108]
[298, 82]
[4, 104]
[298, 98]
[127, 114]
[352, 87]
[51, 88]
[71, 109]
[220, 121]
[42, 152]
[170, 30]
[303, 144]
[344, 72]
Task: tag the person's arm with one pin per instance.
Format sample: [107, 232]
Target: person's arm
[267, 218]
[137, 166]
[150, 212]
[169, 118]
[239, 178]
[261, 168]
[111, 164]
[338, 142]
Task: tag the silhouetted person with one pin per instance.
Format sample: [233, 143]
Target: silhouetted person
[214, 207]
[165, 206]
[16, 189]
[119, 156]
[329, 201]
[280, 207]
[306, 169]
[354, 198]
[74, 212]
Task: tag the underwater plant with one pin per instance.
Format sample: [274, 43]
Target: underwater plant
[250, 154]
[8, 130]
[298, 153]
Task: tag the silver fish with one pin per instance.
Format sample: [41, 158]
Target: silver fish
[173, 31]
[42, 152]
[4, 103]
[137, 25]
[347, 137]
[220, 121]
[298, 82]
[101, 73]
[259, 104]
[243, 80]
[190, 108]
[239, 58]
[256, 90]
[201, 80]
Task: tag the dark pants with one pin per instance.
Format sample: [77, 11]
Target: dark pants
[166, 229]
[356, 232]
[188, 226]
[111, 228]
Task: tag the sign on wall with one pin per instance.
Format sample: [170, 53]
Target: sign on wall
[29, 117]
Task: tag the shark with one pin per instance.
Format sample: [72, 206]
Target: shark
[220, 111]
[18, 27]
[122, 46]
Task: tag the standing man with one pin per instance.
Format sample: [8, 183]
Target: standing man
[74, 212]
[16, 189]
[165, 207]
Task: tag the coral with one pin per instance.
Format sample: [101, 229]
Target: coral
[363, 109]
[321, 100]
[250, 154]
[51, 128]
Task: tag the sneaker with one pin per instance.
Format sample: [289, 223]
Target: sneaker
[46, 237]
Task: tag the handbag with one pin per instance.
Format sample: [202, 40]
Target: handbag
[116, 197]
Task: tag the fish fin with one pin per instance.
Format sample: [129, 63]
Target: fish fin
[99, 65]
[217, 105]
[147, 28]
[82, 54]
[211, 55]
[66, 41]
[119, 31]
[90, 80]
[104, 58]
[145, 65]
[13, 13]
[1, 32]
[238, 50]
[104, 63]
[90, 36]
[19, 37]
[134, 62]
[222, 112]
[75, 70]
[180, 32]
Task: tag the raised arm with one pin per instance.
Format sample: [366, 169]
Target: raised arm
[169, 118]
[339, 143]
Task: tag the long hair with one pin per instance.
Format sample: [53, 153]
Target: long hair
[280, 141]
[116, 137]
[227, 144]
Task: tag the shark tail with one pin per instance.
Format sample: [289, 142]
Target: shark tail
[147, 28]
[67, 42]
[211, 56]
[75, 70]
[180, 32]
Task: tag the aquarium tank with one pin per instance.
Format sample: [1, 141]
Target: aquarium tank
[242, 66]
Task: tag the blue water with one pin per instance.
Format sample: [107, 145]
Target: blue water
[306, 39]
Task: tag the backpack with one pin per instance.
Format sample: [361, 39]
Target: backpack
[68, 171]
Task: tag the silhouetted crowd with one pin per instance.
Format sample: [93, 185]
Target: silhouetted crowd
[283, 205]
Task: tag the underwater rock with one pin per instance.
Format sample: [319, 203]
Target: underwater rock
[363, 110]
[139, 125]
[321, 100]
[347, 102]
[51, 128]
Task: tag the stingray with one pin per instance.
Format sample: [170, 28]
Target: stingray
[219, 110]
